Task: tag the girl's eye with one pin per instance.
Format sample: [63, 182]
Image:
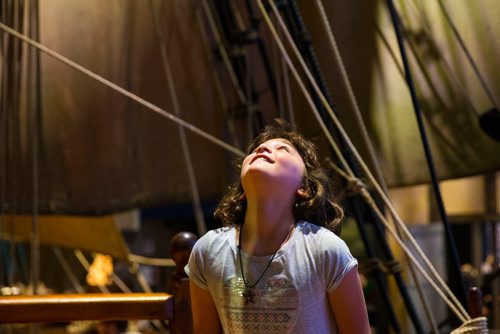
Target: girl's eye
[286, 148]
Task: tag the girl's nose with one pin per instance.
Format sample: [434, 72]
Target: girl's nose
[263, 148]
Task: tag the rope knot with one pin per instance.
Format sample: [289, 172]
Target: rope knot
[355, 186]
[473, 326]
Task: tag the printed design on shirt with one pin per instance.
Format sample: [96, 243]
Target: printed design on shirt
[273, 309]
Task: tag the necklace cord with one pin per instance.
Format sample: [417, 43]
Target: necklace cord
[251, 286]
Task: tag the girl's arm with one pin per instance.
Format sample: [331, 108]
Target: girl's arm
[348, 305]
[205, 316]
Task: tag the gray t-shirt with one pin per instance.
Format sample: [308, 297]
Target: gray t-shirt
[291, 297]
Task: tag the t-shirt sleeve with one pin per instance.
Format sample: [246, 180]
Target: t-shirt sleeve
[195, 268]
[338, 260]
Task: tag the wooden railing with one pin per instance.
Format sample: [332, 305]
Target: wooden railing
[174, 307]
[98, 306]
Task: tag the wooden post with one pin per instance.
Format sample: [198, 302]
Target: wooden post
[181, 245]
[475, 302]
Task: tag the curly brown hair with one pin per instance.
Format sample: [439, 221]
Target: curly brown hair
[319, 207]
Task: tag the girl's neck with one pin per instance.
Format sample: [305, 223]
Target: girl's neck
[266, 225]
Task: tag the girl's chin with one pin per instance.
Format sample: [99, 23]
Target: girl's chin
[266, 182]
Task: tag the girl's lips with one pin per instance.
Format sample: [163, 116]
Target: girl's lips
[262, 156]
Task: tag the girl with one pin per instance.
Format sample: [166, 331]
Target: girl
[276, 266]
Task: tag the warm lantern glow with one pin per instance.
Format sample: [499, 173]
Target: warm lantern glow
[100, 271]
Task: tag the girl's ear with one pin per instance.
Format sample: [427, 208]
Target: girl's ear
[301, 192]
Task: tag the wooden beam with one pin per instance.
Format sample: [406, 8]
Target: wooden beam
[98, 306]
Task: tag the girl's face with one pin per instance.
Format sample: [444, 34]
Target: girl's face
[275, 162]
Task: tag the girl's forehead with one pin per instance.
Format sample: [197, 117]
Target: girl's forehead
[273, 142]
[278, 141]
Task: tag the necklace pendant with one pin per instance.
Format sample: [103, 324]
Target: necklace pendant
[249, 295]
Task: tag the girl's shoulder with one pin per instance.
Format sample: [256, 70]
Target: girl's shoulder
[217, 235]
[319, 235]
[219, 231]
[313, 230]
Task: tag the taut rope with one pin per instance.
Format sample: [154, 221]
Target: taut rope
[368, 143]
[195, 193]
[444, 291]
[119, 89]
